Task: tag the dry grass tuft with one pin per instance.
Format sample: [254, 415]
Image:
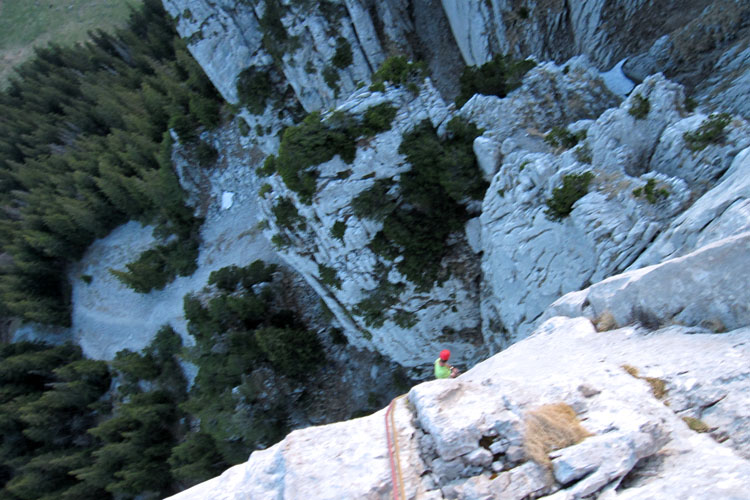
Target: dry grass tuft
[605, 322]
[658, 386]
[714, 324]
[696, 424]
[632, 370]
[551, 427]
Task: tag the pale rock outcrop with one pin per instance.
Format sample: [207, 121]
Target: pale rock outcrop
[699, 43]
[549, 96]
[722, 212]
[700, 169]
[708, 52]
[296, 46]
[529, 260]
[726, 86]
[223, 37]
[695, 289]
[342, 460]
[603, 30]
[620, 142]
[226, 37]
[704, 40]
[463, 438]
[448, 314]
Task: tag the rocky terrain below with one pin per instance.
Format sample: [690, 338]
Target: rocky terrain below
[659, 410]
[627, 310]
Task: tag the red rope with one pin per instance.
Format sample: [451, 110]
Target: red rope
[388, 430]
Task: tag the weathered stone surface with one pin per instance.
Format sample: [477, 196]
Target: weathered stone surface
[550, 95]
[726, 86]
[604, 458]
[454, 304]
[695, 289]
[608, 229]
[632, 431]
[700, 169]
[328, 462]
[480, 457]
[705, 47]
[525, 481]
[528, 259]
[223, 39]
[721, 212]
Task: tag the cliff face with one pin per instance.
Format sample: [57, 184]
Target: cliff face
[692, 41]
[529, 259]
[662, 405]
[605, 257]
[513, 259]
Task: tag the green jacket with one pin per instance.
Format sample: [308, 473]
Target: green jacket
[441, 371]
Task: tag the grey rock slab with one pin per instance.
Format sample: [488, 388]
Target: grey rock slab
[480, 457]
[631, 429]
[450, 306]
[721, 212]
[693, 290]
[528, 259]
[609, 456]
[700, 169]
[524, 481]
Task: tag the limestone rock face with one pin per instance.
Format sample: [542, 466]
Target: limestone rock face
[721, 212]
[646, 295]
[448, 314]
[643, 176]
[661, 395]
[550, 95]
[605, 31]
[320, 50]
[222, 38]
[297, 42]
[466, 438]
[699, 43]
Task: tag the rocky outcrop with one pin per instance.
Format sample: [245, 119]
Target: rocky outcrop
[698, 43]
[445, 315]
[643, 176]
[604, 31]
[657, 403]
[322, 50]
[721, 212]
[663, 411]
[448, 314]
[672, 291]
[707, 52]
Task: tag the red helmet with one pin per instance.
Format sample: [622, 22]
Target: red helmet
[445, 354]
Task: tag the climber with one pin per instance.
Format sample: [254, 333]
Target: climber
[442, 368]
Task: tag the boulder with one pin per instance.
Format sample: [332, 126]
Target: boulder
[694, 290]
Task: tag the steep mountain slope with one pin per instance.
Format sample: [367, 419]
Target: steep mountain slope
[583, 186]
[662, 408]
[269, 57]
[581, 190]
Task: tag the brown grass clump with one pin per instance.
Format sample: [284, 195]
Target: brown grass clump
[551, 427]
[605, 322]
[632, 370]
[658, 386]
[696, 424]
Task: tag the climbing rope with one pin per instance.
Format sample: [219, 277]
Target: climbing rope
[391, 435]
